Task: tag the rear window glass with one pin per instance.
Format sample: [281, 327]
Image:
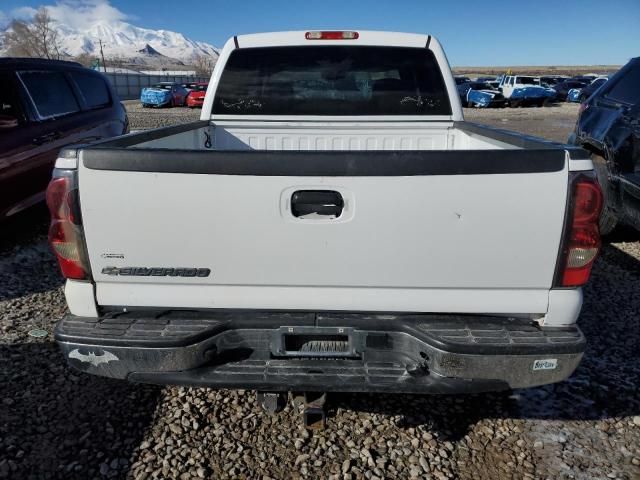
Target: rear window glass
[627, 88]
[50, 92]
[327, 80]
[93, 89]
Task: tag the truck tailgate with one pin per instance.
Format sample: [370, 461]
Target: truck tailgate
[418, 231]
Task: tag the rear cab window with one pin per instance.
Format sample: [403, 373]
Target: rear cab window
[332, 81]
[627, 88]
[51, 93]
[93, 89]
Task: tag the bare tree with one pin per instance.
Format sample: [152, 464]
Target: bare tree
[85, 59]
[117, 61]
[37, 38]
[204, 65]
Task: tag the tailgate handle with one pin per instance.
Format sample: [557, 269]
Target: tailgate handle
[320, 202]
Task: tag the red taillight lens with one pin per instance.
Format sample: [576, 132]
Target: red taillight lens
[65, 231]
[57, 191]
[587, 202]
[331, 35]
[583, 236]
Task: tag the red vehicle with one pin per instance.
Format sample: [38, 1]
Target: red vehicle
[196, 95]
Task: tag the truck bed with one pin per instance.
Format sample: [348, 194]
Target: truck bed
[443, 224]
[321, 136]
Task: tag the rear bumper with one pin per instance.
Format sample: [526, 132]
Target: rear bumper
[382, 353]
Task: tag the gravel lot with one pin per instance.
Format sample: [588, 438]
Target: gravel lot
[57, 423]
[144, 118]
[553, 123]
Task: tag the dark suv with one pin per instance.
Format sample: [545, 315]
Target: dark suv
[44, 106]
[609, 126]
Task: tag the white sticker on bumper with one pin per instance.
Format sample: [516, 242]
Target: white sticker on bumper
[93, 358]
[545, 364]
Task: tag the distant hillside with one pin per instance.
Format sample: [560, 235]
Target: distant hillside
[539, 70]
[128, 44]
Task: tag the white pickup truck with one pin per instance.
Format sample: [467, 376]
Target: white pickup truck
[330, 224]
[524, 90]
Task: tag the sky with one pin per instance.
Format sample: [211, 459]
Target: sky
[473, 33]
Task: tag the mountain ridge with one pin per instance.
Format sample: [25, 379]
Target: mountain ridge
[124, 41]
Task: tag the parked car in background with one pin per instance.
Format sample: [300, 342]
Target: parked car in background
[609, 126]
[196, 95]
[562, 88]
[46, 105]
[574, 95]
[463, 87]
[551, 80]
[481, 94]
[584, 78]
[460, 79]
[164, 94]
[522, 90]
[190, 86]
[589, 90]
[579, 95]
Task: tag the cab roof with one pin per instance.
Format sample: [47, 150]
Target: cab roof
[365, 37]
[37, 62]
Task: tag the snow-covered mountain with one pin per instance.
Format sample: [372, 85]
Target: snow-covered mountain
[125, 41]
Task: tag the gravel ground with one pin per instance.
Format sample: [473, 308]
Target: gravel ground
[57, 423]
[554, 122]
[145, 118]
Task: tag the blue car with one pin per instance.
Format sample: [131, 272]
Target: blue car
[483, 95]
[580, 95]
[463, 88]
[164, 94]
[574, 95]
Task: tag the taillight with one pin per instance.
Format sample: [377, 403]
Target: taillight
[332, 35]
[582, 237]
[583, 107]
[65, 232]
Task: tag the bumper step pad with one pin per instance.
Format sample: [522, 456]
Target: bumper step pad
[387, 353]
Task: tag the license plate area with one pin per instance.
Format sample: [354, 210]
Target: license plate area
[314, 342]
